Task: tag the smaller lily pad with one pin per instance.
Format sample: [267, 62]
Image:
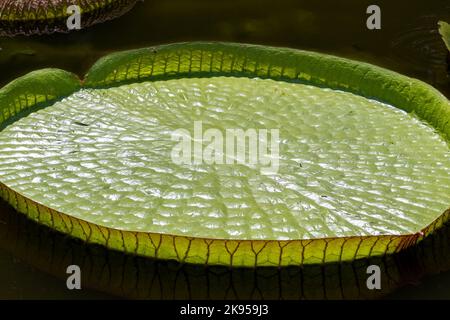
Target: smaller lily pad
[444, 30]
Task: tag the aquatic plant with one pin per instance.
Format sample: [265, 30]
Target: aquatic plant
[96, 164]
[28, 17]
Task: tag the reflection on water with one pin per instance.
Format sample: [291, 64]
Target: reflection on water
[408, 43]
[422, 40]
[130, 276]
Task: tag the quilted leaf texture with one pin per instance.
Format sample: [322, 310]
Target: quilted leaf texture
[102, 175]
[444, 30]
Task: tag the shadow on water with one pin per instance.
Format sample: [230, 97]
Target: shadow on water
[130, 276]
[408, 43]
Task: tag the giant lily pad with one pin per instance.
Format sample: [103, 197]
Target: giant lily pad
[363, 155]
[444, 30]
[47, 16]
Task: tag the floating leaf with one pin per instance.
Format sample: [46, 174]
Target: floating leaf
[357, 178]
[29, 17]
[444, 30]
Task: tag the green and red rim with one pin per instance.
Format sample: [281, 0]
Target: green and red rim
[181, 60]
[44, 17]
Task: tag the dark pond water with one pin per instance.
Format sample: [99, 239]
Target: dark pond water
[408, 43]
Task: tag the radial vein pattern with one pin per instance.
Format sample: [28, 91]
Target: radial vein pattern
[348, 166]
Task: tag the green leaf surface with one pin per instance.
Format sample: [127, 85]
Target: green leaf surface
[357, 177]
[444, 30]
[29, 17]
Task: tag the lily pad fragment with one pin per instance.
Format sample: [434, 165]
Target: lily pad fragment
[444, 30]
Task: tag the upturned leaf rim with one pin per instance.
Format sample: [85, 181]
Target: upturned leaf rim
[206, 59]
